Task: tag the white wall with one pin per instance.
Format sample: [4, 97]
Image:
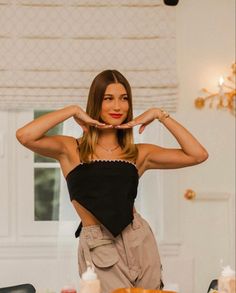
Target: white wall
[205, 51]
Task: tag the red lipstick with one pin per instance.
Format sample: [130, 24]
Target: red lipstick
[116, 116]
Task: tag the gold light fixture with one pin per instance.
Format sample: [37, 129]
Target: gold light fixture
[224, 98]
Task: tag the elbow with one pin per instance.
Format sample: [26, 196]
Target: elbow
[202, 157]
[22, 137]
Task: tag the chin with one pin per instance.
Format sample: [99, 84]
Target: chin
[117, 122]
[113, 122]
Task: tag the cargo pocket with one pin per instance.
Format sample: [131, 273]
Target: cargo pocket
[103, 253]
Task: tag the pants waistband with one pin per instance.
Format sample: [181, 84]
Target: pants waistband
[100, 232]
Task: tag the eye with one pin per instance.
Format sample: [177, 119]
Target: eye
[125, 97]
[107, 98]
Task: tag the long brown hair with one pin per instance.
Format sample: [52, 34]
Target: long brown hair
[89, 139]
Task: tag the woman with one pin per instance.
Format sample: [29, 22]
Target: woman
[102, 170]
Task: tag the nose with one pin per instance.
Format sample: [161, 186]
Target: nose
[116, 105]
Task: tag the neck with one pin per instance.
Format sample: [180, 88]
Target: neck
[108, 138]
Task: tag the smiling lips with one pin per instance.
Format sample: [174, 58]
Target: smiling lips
[116, 116]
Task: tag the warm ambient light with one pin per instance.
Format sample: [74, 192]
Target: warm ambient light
[224, 98]
[221, 81]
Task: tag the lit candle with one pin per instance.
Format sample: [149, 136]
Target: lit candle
[221, 81]
[221, 93]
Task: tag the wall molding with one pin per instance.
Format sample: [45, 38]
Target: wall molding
[170, 249]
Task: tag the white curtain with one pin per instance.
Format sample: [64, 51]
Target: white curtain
[51, 50]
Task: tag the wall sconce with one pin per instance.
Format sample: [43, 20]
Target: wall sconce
[224, 98]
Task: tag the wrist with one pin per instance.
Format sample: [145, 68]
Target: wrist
[162, 115]
[75, 109]
[158, 113]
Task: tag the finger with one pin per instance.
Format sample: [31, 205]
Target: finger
[123, 126]
[133, 123]
[129, 124]
[103, 126]
[141, 128]
[106, 126]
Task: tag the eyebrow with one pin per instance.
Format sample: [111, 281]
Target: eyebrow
[112, 95]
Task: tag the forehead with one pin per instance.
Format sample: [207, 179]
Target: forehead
[115, 88]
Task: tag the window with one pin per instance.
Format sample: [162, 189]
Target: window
[47, 177]
[43, 204]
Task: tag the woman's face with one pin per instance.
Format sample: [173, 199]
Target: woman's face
[115, 104]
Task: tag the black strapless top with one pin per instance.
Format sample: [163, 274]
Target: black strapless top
[107, 189]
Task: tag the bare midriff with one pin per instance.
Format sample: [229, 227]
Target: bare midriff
[87, 218]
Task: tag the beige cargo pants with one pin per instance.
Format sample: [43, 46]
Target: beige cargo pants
[129, 260]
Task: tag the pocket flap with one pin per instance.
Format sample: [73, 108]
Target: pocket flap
[104, 253]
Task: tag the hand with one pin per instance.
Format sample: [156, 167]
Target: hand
[144, 119]
[84, 120]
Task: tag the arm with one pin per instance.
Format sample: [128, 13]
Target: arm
[32, 135]
[191, 152]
